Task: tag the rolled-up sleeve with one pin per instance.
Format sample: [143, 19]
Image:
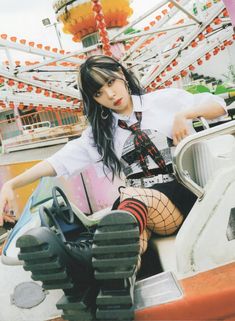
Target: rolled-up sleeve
[75, 156]
[204, 98]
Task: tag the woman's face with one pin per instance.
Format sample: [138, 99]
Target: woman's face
[114, 95]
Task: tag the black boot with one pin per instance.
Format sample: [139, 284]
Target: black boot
[115, 253]
[60, 265]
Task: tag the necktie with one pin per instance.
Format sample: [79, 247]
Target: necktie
[143, 145]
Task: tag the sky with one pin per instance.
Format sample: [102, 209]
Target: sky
[23, 19]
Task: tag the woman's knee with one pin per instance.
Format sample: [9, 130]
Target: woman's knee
[127, 192]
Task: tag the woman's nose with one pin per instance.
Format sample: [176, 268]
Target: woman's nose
[110, 93]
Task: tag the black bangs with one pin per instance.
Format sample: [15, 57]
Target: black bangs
[92, 80]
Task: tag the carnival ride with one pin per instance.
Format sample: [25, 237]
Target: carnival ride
[178, 38]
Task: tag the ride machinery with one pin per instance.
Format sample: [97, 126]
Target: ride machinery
[173, 44]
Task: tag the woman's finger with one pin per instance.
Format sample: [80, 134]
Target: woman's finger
[9, 218]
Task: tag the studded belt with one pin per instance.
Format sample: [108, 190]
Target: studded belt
[149, 181]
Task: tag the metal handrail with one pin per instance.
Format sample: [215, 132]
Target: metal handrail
[39, 125]
[181, 174]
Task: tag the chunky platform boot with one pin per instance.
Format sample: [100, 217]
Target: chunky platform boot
[65, 266]
[115, 253]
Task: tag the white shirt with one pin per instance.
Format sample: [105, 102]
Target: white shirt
[158, 110]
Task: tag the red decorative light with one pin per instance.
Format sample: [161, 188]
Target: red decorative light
[191, 67]
[21, 85]
[183, 73]
[11, 82]
[199, 61]
[175, 78]
[168, 83]
[38, 90]
[209, 29]
[215, 51]
[21, 106]
[208, 56]
[13, 39]
[217, 21]
[225, 13]
[11, 104]
[201, 36]
[29, 88]
[100, 23]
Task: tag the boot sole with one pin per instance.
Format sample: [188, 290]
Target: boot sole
[115, 253]
[44, 255]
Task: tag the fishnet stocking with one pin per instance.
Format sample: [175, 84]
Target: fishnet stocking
[163, 217]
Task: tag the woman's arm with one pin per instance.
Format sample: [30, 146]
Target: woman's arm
[208, 110]
[7, 195]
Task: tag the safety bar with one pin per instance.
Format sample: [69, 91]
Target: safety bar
[181, 174]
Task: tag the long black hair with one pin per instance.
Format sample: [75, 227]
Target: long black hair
[94, 73]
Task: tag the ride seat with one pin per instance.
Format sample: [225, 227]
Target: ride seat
[202, 161]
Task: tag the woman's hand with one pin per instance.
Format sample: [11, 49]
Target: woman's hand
[7, 204]
[180, 128]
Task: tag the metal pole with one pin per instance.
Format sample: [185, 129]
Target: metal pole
[58, 35]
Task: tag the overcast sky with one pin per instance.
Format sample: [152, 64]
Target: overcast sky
[23, 19]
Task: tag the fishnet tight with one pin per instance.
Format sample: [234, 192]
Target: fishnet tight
[163, 217]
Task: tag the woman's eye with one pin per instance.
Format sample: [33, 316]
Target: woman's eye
[97, 94]
[111, 81]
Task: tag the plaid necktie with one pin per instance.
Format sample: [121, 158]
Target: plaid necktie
[143, 145]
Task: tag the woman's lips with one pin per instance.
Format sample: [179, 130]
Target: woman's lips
[118, 102]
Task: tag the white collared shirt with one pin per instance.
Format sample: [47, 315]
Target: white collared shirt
[158, 110]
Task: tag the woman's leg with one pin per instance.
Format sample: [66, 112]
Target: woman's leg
[163, 217]
[144, 238]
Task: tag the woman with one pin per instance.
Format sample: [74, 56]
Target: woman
[131, 134]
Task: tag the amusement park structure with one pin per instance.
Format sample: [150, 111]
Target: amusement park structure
[176, 43]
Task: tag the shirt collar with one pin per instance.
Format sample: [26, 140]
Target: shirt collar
[137, 106]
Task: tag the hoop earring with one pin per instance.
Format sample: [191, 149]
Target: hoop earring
[103, 115]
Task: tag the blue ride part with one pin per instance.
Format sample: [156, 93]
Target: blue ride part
[41, 195]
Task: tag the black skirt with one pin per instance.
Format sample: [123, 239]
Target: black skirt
[179, 195]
